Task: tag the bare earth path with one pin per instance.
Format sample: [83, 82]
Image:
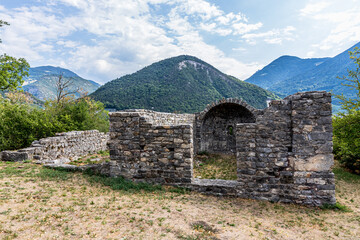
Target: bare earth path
[49, 204]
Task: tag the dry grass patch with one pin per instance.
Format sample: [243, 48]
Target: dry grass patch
[215, 166]
[99, 157]
[38, 203]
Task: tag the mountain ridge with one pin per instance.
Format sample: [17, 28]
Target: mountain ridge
[179, 84]
[321, 77]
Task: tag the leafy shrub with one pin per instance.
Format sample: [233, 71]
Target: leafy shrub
[80, 114]
[22, 123]
[347, 140]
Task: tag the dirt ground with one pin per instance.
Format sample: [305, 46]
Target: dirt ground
[39, 204]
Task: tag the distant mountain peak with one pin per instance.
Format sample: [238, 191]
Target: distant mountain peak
[183, 83]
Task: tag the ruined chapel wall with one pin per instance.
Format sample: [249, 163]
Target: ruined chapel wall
[289, 156]
[262, 154]
[284, 155]
[311, 158]
[147, 152]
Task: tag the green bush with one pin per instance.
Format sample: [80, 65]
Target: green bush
[80, 114]
[347, 140]
[22, 123]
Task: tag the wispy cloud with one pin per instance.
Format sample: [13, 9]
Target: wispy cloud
[313, 8]
[344, 19]
[275, 36]
[114, 38]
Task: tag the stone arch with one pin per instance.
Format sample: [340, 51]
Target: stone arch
[218, 124]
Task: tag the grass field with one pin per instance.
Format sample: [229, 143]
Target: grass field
[40, 203]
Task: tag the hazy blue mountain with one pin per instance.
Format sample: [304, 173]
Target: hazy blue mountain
[323, 77]
[320, 77]
[178, 84]
[42, 82]
[283, 68]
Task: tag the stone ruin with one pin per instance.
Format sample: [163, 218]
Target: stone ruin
[61, 148]
[283, 152]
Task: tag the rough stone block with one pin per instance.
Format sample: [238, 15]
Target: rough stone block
[317, 163]
[13, 156]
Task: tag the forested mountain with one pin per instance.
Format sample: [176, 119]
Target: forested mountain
[322, 76]
[42, 82]
[178, 84]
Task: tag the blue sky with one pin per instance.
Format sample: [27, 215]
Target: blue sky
[105, 39]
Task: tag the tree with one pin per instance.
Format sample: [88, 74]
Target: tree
[12, 70]
[353, 79]
[62, 88]
[2, 23]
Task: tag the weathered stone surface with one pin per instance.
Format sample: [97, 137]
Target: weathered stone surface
[13, 156]
[317, 163]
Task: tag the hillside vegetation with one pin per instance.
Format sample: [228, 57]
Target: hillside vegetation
[179, 84]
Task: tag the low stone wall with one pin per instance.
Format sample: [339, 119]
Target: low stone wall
[69, 145]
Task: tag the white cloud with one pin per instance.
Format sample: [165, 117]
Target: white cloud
[342, 21]
[126, 35]
[242, 28]
[313, 7]
[275, 36]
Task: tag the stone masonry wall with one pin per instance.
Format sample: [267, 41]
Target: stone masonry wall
[141, 150]
[284, 152]
[287, 154]
[69, 145]
[311, 158]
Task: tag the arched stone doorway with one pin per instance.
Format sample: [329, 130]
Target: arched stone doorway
[218, 127]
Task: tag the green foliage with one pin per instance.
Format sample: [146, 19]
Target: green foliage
[22, 123]
[346, 125]
[119, 183]
[12, 71]
[179, 84]
[58, 174]
[347, 140]
[337, 207]
[344, 175]
[353, 82]
[80, 114]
